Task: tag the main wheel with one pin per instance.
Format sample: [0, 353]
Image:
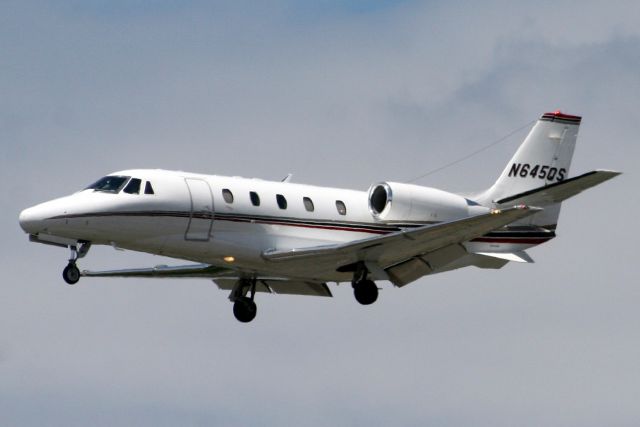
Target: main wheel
[366, 292]
[244, 309]
[71, 274]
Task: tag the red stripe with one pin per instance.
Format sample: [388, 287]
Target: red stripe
[323, 227]
[534, 240]
[562, 115]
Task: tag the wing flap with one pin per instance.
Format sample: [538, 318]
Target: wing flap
[408, 271]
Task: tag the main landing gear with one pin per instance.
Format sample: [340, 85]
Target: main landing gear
[365, 290]
[71, 274]
[244, 307]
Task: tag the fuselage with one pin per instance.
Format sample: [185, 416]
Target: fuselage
[231, 221]
[249, 235]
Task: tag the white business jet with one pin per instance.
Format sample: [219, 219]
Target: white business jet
[249, 235]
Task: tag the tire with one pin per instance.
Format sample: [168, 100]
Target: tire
[244, 309]
[366, 292]
[71, 274]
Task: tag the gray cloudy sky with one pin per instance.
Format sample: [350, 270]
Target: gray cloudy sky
[341, 94]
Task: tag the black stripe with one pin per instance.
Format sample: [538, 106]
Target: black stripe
[561, 119]
[381, 228]
[532, 234]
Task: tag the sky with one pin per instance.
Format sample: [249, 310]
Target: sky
[340, 94]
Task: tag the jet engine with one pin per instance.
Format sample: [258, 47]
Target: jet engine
[398, 202]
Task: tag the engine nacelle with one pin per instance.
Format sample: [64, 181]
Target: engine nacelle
[397, 202]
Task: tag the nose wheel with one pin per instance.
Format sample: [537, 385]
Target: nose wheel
[71, 274]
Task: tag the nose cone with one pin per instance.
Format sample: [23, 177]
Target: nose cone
[32, 220]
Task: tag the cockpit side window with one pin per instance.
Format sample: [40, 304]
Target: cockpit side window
[133, 187]
[148, 189]
[109, 184]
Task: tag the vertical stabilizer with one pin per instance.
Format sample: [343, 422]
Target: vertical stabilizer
[543, 158]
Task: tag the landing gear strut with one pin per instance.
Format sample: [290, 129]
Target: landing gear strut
[71, 274]
[364, 290]
[244, 308]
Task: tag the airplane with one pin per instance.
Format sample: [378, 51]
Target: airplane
[250, 235]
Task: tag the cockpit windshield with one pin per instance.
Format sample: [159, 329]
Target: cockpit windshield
[109, 184]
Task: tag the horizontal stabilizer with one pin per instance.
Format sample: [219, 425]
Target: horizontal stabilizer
[519, 256]
[559, 191]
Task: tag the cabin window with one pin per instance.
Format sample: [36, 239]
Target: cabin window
[109, 184]
[133, 187]
[282, 202]
[148, 189]
[308, 204]
[342, 209]
[227, 195]
[255, 199]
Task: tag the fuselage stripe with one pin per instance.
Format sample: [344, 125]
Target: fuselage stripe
[498, 236]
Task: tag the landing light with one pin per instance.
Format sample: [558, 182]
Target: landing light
[229, 259]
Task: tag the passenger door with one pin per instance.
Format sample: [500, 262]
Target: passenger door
[201, 215]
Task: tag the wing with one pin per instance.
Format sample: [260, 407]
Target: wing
[164, 271]
[224, 278]
[560, 191]
[402, 254]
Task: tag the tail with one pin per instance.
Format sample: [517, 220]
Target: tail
[543, 159]
[537, 175]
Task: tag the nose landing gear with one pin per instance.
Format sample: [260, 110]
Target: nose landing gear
[71, 274]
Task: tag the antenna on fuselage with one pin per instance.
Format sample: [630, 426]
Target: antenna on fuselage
[474, 153]
[287, 178]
